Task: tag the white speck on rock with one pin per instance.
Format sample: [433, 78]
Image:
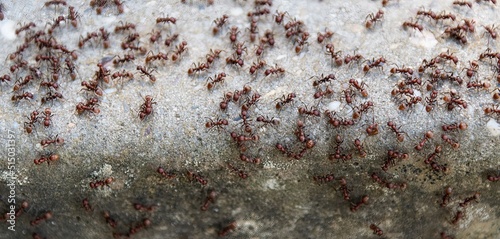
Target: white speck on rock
[493, 127]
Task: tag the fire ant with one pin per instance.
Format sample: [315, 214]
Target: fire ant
[285, 100]
[413, 25]
[454, 126]
[219, 22]
[257, 66]
[338, 151]
[362, 108]
[320, 93]
[49, 141]
[453, 99]
[101, 183]
[48, 158]
[72, 16]
[372, 129]
[56, 23]
[459, 215]
[374, 63]
[166, 20]
[92, 86]
[279, 16]
[140, 207]
[38, 220]
[356, 57]
[494, 109]
[153, 57]
[360, 148]
[84, 40]
[336, 122]
[266, 120]
[122, 74]
[125, 27]
[322, 36]
[446, 196]
[24, 95]
[359, 86]
[344, 189]
[225, 230]
[335, 55]
[240, 173]
[214, 54]
[450, 141]
[376, 230]
[364, 200]
[313, 111]
[468, 200]
[33, 119]
[274, 70]
[147, 72]
[324, 179]
[428, 135]
[179, 50]
[196, 176]
[374, 18]
[474, 67]
[147, 107]
[258, 12]
[86, 204]
[217, 78]
[395, 129]
[239, 48]
[25, 27]
[448, 56]
[109, 220]
[171, 39]
[391, 156]
[234, 61]
[164, 173]
[46, 118]
[210, 198]
[234, 34]
[324, 79]
[218, 123]
[403, 70]
[462, 3]
[431, 101]
[493, 178]
[413, 100]
[90, 105]
[198, 68]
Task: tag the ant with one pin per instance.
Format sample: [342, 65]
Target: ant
[413, 25]
[166, 20]
[274, 70]
[399, 134]
[49, 141]
[403, 70]
[124, 27]
[459, 215]
[86, 204]
[234, 61]
[463, 3]
[171, 39]
[179, 50]
[364, 200]
[84, 40]
[140, 207]
[253, 30]
[431, 101]
[234, 34]
[92, 86]
[214, 54]
[313, 111]
[360, 148]
[324, 79]
[428, 135]
[56, 23]
[38, 220]
[109, 220]
[147, 72]
[344, 189]
[164, 173]
[410, 102]
[391, 156]
[453, 99]
[450, 141]
[493, 178]
[335, 55]
[24, 95]
[240, 173]
[72, 16]
[348, 58]
[101, 183]
[33, 119]
[210, 198]
[478, 85]
[46, 118]
[48, 158]
[491, 31]
[444, 16]
[376, 230]
[257, 66]
[153, 57]
[218, 123]
[474, 67]
[322, 36]
[198, 68]
[55, 2]
[225, 230]
[147, 107]
[494, 109]
[360, 87]
[266, 120]
[259, 12]
[468, 200]
[374, 63]
[446, 196]
[213, 81]
[362, 108]
[239, 48]
[337, 122]
[196, 176]
[219, 22]
[320, 93]
[338, 152]
[122, 74]
[374, 18]
[285, 100]
[268, 38]
[279, 16]
[448, 56]
[429, 13]
[90, 105]
[126, 58]
[324, 179]
[25, 27]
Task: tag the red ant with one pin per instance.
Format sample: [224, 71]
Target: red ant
[410, 102]
[324, 179]
[320, 93]
[446, 196]
[454, 126]
[25, 27]
[459, 215]
[92, 86]
[431, 101]
[122, 74]
[24, 95]
[90, 105]
[86, 205]
[324, 79]
[268, 38]
[72, 16]
[33, 119]
[399, 134]
[125, 27]
[374, 63]
[376, 230]
[171, 39]
[56, 23]
[359, 147]
[285, 100]
[234, 34]
[335, 55]
[196, 176]
[428, 135]
[453, 99]
[153, 57]
[493, 178]
[166, 20]
[218, 123]
[474, 67]
[49, 141]
[434, 155]
[38, 220]
[462, 3]
[348, 58]
[219, 22]
[359, 86]
[279, 16]
[257, 66]
[313, 111]
[239, 48]
[217, 78]
[448, 56]
[374, 18]
[274, 70]
[444, 16]
[336, 122]
[338, 152]
[47, 114]
[372, 129]
[258, 12]
[266, 120]
[48, 158]
[166, 174]
[210, 198]
[225, 230]
[101, 183]
[323, 36]
[198, 68]
[491, 31]
[214, 54]
[234, 61]
[403, 70]
[140, 207]
[179, 50]
[147, 72]
[364, 200]
[89, 36]
[344, 189]
[240, 173]
[362, 108]
[391, 156]
[494, 109]
[147, 107]
[468, 200]
[413, 25]
[109, 220]
[55, 2]
[450, 141]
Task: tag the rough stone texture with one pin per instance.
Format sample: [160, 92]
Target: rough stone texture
[279, 198]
